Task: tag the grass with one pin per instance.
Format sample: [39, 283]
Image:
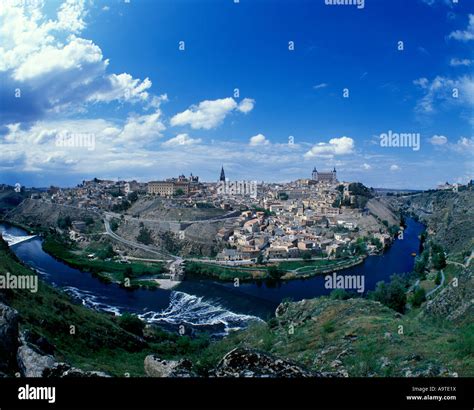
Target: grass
[320, 334]
[305, 269]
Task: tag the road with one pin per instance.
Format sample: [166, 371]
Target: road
[226, 217]
[146, 248]
[465, 265]
[437, 287]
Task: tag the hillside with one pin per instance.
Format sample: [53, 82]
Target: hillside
[359, 337]
[448, 215]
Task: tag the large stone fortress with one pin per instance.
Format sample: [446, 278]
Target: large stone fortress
[325, 177]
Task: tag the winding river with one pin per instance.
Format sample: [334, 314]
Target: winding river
[205, 304]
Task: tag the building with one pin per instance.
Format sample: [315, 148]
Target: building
[324, 177]
[168, 188]
[222, 177]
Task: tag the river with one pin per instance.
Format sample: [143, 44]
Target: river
[205, 304]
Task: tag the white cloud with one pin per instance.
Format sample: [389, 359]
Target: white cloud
[258, 139]
[421, 82]
[47, 60]
[438, 140]
[335, 146]
[180, 140]
[442, 90]
[394, 168]
[141, 129]
[465, 35]
[209, 114]
[366, 166]
[455, 62]
[246, 105]
[318, 86]
[464, 146]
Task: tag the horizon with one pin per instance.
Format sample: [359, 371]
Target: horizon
[267, 92]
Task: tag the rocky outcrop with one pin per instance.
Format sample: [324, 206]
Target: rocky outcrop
[32, 363]
[453, 302]
[242, 362]
[156, 367]
[65, 370]
[8, 337]
[449, 216]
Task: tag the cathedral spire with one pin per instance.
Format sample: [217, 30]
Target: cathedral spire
[222, 177]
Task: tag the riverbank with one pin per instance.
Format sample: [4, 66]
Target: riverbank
[285, 271]
[124, 274]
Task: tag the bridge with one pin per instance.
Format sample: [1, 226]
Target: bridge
[15, 240]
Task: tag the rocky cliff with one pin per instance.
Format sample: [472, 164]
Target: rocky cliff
[448, 215]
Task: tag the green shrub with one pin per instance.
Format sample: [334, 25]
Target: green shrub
[131, 323]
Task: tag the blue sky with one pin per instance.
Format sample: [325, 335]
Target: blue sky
[112, 72]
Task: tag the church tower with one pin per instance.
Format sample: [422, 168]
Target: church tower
[314, 174]
[222, 177]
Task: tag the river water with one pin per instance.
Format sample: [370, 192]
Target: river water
[204, 304]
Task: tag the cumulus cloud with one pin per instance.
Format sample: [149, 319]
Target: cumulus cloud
[210, 114]
[246, 105]
[48, 62]
[366, 166]
[438, 140]
[394, 168]
[335, 146]
[180, 140]
[258, 139]
[140, 129]
[464, 146]
[465, 35]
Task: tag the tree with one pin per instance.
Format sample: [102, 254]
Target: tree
[359, 247]
[132, 197]
[418, 297]
[306, 256]
[114, 225]
[260, 259]
[392, 294]
[89, 220]
[438, 260]
[179, 192]
[274, 272]
[106, 252]
[340, 294]
[65, 222]
[145, 236]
